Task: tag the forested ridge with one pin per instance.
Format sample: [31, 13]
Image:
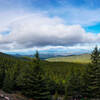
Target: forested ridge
[43, 80]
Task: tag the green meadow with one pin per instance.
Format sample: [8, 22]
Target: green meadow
[83, 58]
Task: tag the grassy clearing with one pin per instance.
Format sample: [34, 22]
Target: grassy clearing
[83, 58]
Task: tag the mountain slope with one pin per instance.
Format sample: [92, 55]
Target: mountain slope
[58, 69]
[83, 58]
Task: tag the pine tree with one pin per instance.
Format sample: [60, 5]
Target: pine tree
[37, 57]
[85, 90]
[95, 73]
[95, 56]
[61, 87]
[9, 81]
[66, 96]
[52, 85]
[2, 75]
[73, 88]
[33, 82]
[92, 75]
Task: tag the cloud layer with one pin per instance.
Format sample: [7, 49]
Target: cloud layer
[27, 24]
[38, 30]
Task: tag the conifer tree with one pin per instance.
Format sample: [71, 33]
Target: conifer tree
[33, 82]
[2, 75]
[10, 79]
[52, 85]
[85, 90]
[95, 56]
[73, 88]
[92, 75]
[37, 57]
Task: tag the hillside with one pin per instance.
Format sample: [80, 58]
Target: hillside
[83, 58]
[54, 69]
[12, 68]
[4, 55]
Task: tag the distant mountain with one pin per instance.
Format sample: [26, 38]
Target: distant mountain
[49, 55]
[43, 55]
[16, 57]
[4, 55]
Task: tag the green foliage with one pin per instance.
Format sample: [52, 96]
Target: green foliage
[85, 83]
[52, 85]
[33, 83]
[73, 87]
[60, 88]
[95, 56]
[24, 75]
[8, 85]
[40, 79]
[66, 97]
[11, 74]
[37, 56]
[2, 75]
[59, 71]
[92, 76]
[56, 96]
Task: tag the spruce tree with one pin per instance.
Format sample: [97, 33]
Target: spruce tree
[95, 73]
[33, 82]
[85, 90]
[95, 56]
[37, 58]
[52, 85]
[92, 75]
[2, 75]
[10, 80]
[73, 88]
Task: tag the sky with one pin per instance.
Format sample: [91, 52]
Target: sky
[49, 25]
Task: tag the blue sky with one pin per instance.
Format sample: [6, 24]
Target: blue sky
[27, 25]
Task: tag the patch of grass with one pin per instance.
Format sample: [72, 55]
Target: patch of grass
[83, 58]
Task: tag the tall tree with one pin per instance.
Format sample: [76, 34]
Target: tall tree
[2, 75]
[37, 57]
[33, 82]
[95, 56]
[10, 79]
[85, 90]
[92, 75]
[73, 88]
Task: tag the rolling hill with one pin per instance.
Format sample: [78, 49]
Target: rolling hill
[82, 58]
[57, 73]
[57, 70]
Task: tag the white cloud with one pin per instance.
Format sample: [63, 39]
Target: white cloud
[38, 30]
[21, 29]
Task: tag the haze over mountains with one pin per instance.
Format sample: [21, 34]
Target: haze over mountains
[44, 54]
